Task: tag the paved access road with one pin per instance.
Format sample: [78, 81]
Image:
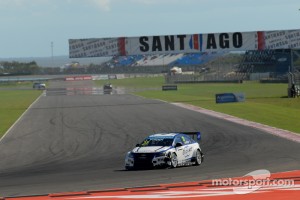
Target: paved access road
[78, 142]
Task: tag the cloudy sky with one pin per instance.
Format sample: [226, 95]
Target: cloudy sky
[29, 26]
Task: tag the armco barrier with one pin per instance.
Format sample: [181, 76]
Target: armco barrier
[214, 81]
[78, 78]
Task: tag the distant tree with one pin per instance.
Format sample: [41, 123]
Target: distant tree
[20, 68]
[51, 70]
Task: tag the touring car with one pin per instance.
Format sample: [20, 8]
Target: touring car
[166, 150]
[40, 86]
[107, 88]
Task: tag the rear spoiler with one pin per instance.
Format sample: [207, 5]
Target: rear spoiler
[195, 135]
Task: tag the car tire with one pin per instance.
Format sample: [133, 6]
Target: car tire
[199, 156]
[173, 160]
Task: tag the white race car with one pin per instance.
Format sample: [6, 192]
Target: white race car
[40, 86]
[166, 149]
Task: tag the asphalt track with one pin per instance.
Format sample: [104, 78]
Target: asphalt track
[78, 142]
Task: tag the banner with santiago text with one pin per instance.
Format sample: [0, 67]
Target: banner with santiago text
[192, 43]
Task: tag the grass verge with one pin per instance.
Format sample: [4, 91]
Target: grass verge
[12, 104]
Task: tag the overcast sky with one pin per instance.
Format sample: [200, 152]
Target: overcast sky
[29, 26]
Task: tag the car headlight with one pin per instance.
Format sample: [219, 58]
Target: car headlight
[130, 155]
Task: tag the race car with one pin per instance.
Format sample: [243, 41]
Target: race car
[40, 86]
[107, 88]
[166, 150]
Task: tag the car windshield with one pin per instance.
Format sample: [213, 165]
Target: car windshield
[157, 141]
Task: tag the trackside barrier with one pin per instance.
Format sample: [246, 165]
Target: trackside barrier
[169, 87]
[230, 97]
[78, 78]
[206, 189]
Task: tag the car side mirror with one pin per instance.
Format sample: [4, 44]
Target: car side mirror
[178, 145]
[138, 145]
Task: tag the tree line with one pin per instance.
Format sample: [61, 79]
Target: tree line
[32, 68]
[23, 68]
[14, 67]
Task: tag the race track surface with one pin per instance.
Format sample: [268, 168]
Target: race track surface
[78, 142]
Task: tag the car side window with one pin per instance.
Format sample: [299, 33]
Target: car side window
[186, 139]
[145, 142]
[178, 140]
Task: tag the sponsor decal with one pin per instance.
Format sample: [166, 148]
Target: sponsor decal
[230, 97]
[69, 79]
[186, 151]
[169, 87]
[80, 48]
[78, 78]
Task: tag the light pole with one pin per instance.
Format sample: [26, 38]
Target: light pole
[52, 59]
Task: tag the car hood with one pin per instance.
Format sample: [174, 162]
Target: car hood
[154, 149]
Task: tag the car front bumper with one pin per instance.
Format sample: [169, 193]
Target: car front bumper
[145, 160]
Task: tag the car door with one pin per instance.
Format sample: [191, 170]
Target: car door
[179, 149]
[187, 151]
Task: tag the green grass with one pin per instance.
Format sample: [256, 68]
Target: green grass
[12, 84]
[12, 104]
[265, 103]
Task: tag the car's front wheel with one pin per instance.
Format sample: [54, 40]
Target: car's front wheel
[173, 160]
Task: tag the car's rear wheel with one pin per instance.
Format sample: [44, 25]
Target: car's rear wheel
[173, 160]
[198, 160]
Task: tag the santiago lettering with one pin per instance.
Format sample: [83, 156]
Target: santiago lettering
[224, 41]
[168, 43]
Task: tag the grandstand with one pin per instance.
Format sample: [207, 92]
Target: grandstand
[249, 65]
[117, 61]
[264, 64]
[155, 60]
[294, 74]
[143, 60]
[193, 59]
[219, 68]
